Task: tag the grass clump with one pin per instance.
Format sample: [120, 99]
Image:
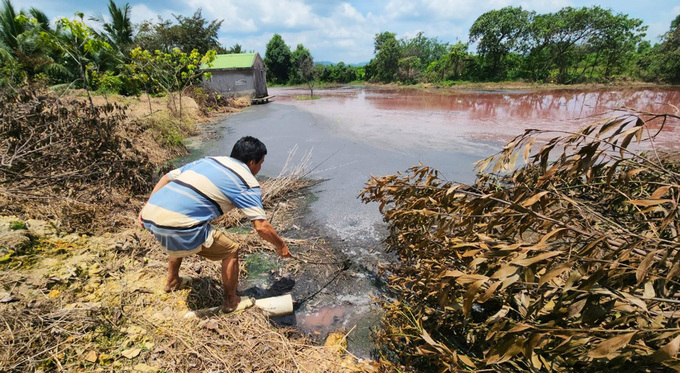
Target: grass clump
[17, 225]
[307, 98]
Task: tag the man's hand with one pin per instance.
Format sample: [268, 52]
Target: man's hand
[139, 220]
[283, 252]
[267, 232]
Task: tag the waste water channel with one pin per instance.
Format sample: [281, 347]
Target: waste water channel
[354, 132]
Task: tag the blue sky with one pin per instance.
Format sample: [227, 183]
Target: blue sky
[335, 30]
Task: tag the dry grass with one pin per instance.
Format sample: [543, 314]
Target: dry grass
[77, 303]
[97, 304]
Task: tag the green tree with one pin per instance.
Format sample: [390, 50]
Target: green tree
[196, 32]
[616, 40]
[119, 32]
[298, 57]
[20, 37]
[172, 71]
[277, 59]
[236, 48]
[383, 67]
[10, 27]
[450, 66]
[189, 33]
[570, 37]
[669, 53]
[426, 49]
[79, 45]
[408, 69]
[306, 71]
[499, 32]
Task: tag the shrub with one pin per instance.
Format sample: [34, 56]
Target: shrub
[569, 263]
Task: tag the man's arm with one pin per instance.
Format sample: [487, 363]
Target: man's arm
[267, 232]
[161, 183]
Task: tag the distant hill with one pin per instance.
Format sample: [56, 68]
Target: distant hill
[327, 63]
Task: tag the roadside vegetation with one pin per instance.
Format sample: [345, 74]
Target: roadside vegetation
[570, 46]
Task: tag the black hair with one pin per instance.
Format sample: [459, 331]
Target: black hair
[247, 149]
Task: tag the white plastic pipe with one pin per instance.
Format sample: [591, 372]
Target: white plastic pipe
[276, 306]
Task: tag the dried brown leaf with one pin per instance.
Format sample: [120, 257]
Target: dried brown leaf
[611, 345]
[533, 199]
[469, 296]
[649, 202]
[552, 273]
[641, 271]
[660, 192]
[536, 259]
[667, 351]
[505, 271]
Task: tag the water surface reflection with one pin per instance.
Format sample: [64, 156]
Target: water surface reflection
[473, 120]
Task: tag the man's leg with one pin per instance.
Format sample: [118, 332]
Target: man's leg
[226, 251]
[173, 274]
[230, 271]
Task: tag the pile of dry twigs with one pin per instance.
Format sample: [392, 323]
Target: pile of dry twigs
[569, 263]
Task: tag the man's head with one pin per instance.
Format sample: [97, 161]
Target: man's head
[250, 151]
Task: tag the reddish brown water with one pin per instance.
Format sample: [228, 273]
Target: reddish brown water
[421, 119]
[356, 132]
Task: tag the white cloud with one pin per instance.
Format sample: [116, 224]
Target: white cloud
[397, 9]
[347, 12]
[255, 15]
[344, 33]
[141, 12]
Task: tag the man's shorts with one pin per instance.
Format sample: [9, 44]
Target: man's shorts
[222, 247]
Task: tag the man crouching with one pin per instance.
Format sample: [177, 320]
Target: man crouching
[185, 200]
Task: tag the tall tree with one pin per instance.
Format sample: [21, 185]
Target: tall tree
[196, 32]
[80, 46]
[10, 26]
[616, 39]
[669, 53]
[277, 59]
[297, 57]
[189, 33]
[499, 32]
[236, 48]
[451, 65]
[426, 49]
[383, 67]
[119, 32]
[563, 40]
[20, 37]
[305, 70]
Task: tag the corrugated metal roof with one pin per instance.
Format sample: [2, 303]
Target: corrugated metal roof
[231, 61]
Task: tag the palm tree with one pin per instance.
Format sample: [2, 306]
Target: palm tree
[119, 33]
[10, 27]
[41, 19]
[20, 35]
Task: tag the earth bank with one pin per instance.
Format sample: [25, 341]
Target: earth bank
[81, 286]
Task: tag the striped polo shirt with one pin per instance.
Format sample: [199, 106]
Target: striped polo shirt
[179, 213]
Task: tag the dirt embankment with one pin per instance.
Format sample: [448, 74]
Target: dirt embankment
[81, 285]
